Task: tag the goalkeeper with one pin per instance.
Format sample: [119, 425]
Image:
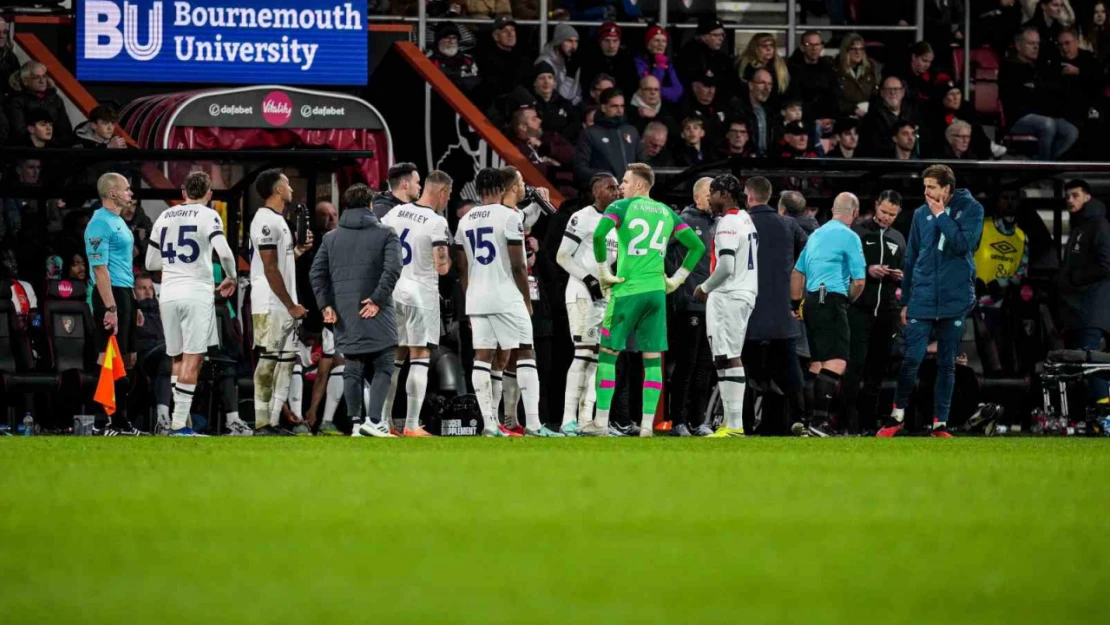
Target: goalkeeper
[638, 304]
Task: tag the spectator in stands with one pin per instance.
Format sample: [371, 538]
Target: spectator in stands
[610, 144]
[648, 105]
[100, 129]
[692, 150]
[1049, 20]
[404, 187]
[9, 63]
[600, 83]
[1082, 80]
[40, 130]
[856, 76]
[904, 139]
[1031, 97]
[548, 151]
[38, 219]
[882, 115]
[656, 153]
[560, 55]
[1084, 280]
[737, 140]
[610, 58]
[762, 53]
[813, 80]
[557, 112]
[701, 102]
[958, 143]
[706, 54]
[1096, 32]
[24, 302]
[35, 91]
[918, 81]
[760, 118]
[449, 9]
[795, 142]
[953, 106]
[994, 22]
[655, 61]
[847, 138]
[489, 8]
[457, 65]
[503, 65]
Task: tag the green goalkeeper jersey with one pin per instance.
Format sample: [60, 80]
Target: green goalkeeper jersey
[644, 228]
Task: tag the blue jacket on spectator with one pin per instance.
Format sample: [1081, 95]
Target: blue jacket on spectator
[939, 268]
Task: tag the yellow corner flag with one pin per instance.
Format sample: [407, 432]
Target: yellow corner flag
[110, 371]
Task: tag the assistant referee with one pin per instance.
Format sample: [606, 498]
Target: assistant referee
[830, 274]
[110, 248]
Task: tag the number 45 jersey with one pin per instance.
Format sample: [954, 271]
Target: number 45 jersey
[419, 229]
[644, 227]
[184, 234]
[489, 234]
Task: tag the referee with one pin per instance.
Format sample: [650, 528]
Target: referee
[830, 274]
[110, 247]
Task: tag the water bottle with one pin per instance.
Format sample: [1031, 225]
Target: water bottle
[28, 425]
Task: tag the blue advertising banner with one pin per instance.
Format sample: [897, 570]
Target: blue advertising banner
[308, 42]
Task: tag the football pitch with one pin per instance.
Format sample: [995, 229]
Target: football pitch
[528, 531]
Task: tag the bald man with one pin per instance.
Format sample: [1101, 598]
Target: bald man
[692, 378]
[829, 275]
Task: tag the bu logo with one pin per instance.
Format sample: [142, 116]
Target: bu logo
[104, 37]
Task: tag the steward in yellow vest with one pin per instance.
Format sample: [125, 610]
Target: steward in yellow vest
[1002, 259]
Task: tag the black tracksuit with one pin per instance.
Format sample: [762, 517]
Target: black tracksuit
[872, 322]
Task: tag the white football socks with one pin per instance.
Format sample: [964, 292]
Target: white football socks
[586, 413]
[387, 407]
[529, 387]
[415, 387]
[480, 378]
[511, 395]
[576, 382]
[334, 394]
[732, 384]
[283, 375]
[182, 403]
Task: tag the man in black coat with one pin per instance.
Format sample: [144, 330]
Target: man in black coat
[705, 54]
[353, 276]
[37, 93]
[503, 65]
[404, 187]
[769, 351]
[610, 58]
[1084, 280]
[1032, 96]
[611, 144]
[813, 81]
[871, 318]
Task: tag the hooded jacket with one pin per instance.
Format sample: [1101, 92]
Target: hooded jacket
[881, 246]
[360, 259]
[567, 81]
[1084, 279]
[939, 275]
[383, 203]
[704, 224]
[607, 146]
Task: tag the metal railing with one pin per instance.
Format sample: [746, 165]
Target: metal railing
[790, 27]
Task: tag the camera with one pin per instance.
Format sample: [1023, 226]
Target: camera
[532, 197]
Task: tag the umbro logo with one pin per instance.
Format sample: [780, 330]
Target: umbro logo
[1003, 247]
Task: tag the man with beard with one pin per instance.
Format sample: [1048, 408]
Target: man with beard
[459, 66]
[884, 114]
[813, 80]
[547, 151]
[754, 109]
[847, 138]
[609, 58]
[559, 53]
[404, 187]
[611, 144]
[903, 139]
[648, 106]
[503, 66]
[557, 112]
[706, 53]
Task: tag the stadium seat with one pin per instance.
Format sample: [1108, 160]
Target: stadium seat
[16, 362]
[68, 329]
[232, 339]
[1025, 144]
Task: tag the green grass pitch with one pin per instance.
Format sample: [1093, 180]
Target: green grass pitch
[527, 531]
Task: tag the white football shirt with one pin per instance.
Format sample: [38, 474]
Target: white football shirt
[270, 232]
[420, 229]
[580, 229]
[485, 233]
[184, 235]
[736, 235]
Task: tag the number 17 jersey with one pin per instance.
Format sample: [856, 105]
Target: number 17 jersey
[486, 233]
[644, 228]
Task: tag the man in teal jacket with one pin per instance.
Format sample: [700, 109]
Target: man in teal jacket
[938, 289]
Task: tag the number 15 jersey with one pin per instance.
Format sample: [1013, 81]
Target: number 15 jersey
[485, 233]
[184, 234]
[644, 227]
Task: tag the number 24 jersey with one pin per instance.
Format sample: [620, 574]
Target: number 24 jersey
[485, 233]
[644, 227]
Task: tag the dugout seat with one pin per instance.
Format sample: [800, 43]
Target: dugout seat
[16, 358]
[69, 331]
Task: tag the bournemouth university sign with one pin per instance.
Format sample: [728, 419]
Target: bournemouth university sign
[315, 42]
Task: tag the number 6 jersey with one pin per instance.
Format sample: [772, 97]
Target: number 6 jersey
[644, 228]
[486, 233]
[183, 235]
[420, 229]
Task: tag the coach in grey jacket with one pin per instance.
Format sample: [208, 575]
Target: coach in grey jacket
[353, 276]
